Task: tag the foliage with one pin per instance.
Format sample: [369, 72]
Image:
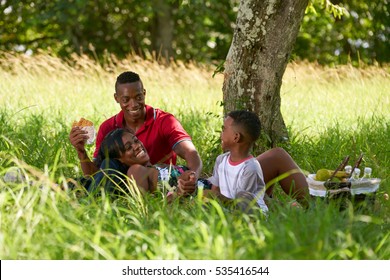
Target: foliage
[119, 27]
[202, 29]
[360, 34]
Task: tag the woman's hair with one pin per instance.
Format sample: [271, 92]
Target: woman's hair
[112, 145]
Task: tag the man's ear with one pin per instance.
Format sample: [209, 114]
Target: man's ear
[116, 98]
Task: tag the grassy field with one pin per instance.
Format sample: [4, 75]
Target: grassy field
[330, 113]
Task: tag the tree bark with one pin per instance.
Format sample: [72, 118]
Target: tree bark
[263, 39]
[162, 30]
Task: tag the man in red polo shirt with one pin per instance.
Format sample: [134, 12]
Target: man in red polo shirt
[162, 135]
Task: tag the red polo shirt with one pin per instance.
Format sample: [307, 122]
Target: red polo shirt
[159, 134]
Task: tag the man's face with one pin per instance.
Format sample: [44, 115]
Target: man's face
[131, 98]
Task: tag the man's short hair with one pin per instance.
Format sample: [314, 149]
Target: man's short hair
[126, 78]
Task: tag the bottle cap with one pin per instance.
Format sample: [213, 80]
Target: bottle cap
[348, 169]
[356, 170]
[367, 170]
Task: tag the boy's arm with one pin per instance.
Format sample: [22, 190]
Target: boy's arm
[251, 187]
[251, 179]
[215, 193]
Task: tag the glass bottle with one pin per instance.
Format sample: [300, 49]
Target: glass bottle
[367, 173]
[348, 169]
[356, 174]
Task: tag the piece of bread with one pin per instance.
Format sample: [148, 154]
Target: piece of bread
[82, 123]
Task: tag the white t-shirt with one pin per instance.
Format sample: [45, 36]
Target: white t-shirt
[233, 177]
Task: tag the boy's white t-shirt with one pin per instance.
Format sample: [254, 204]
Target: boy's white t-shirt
[232, 178]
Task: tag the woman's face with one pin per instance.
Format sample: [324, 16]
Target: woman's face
[135, 152]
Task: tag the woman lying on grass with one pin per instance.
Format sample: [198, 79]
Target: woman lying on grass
[122, 153]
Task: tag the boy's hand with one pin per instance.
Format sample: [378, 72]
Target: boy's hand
[210, 194]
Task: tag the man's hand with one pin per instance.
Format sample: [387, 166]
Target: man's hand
[186, 183]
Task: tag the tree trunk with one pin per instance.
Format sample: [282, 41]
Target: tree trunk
[263, 39]
[162, 30]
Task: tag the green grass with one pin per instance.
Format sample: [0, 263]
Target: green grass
[330, 113]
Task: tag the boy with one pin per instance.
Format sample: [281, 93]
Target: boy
[237, 174]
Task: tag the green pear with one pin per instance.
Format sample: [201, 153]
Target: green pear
[324, 174]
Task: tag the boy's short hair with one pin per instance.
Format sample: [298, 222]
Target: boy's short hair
[126, 78]
[248, 121]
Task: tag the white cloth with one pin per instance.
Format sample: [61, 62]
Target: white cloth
[232, 178]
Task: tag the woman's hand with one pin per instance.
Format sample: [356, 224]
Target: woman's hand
[78, 138]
